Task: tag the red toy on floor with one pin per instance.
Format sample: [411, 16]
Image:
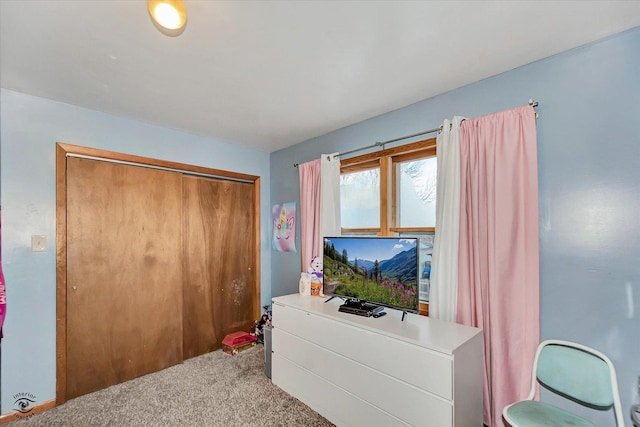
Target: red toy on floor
[235, 342]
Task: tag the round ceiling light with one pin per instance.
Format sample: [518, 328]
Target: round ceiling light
[169, 16]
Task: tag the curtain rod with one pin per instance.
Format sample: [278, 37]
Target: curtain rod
[383, 143]
[533, 103]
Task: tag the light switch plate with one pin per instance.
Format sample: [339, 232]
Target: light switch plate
[38, 243]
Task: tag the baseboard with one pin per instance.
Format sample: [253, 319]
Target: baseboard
[17, 415]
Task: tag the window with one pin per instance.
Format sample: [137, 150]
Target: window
[416, 192]
[360, 198]
[393, 193]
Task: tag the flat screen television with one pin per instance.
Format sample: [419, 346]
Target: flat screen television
[379, 270]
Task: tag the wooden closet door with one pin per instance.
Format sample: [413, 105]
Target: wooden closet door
[219, 288]
[124, 273]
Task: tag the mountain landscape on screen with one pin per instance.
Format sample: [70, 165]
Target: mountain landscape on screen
[386, 279]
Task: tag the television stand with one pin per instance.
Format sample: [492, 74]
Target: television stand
[377, 373]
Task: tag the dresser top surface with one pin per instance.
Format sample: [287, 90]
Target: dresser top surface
[437, 335]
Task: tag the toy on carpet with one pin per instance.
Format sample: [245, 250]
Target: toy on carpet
[236, 342]
[257, 330]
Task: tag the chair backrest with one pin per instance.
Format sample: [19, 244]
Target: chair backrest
[579, 373]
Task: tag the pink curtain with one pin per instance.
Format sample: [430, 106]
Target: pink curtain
[3, 295]
[498, 283]
[310, 236]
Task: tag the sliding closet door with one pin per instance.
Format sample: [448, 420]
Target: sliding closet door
[124, 273]
[219, 288]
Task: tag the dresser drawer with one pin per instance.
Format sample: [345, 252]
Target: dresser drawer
[398, 398]
[335, 404]
[425, 369]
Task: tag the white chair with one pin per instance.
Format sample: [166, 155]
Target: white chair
[574, 371]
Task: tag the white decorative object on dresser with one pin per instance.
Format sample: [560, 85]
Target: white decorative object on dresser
[366, 371]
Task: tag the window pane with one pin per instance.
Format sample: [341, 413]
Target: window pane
[360, 199]
[416, 193]
[426, 250]
[424, 262]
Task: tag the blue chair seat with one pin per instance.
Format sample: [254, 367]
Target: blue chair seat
[573, 371]
[531, 413]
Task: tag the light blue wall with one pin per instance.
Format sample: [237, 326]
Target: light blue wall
[589, 173]
[30, 128]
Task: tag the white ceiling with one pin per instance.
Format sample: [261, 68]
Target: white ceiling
[270, 74]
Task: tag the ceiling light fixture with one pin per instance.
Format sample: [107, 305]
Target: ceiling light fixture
[169, 16]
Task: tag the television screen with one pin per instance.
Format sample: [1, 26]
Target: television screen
[380, 270]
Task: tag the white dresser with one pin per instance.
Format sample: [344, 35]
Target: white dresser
[365, 371]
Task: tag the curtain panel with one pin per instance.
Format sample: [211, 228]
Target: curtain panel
[444, 265]
[310, 239]
[498, 282]
[329, 196]
[3, 294]
[319, 205]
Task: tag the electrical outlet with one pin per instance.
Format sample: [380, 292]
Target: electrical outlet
[38, 243]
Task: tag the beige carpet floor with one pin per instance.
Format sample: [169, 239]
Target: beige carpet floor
[215, 389]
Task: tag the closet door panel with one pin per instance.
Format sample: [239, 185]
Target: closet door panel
[219, 289]
[124, 273]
